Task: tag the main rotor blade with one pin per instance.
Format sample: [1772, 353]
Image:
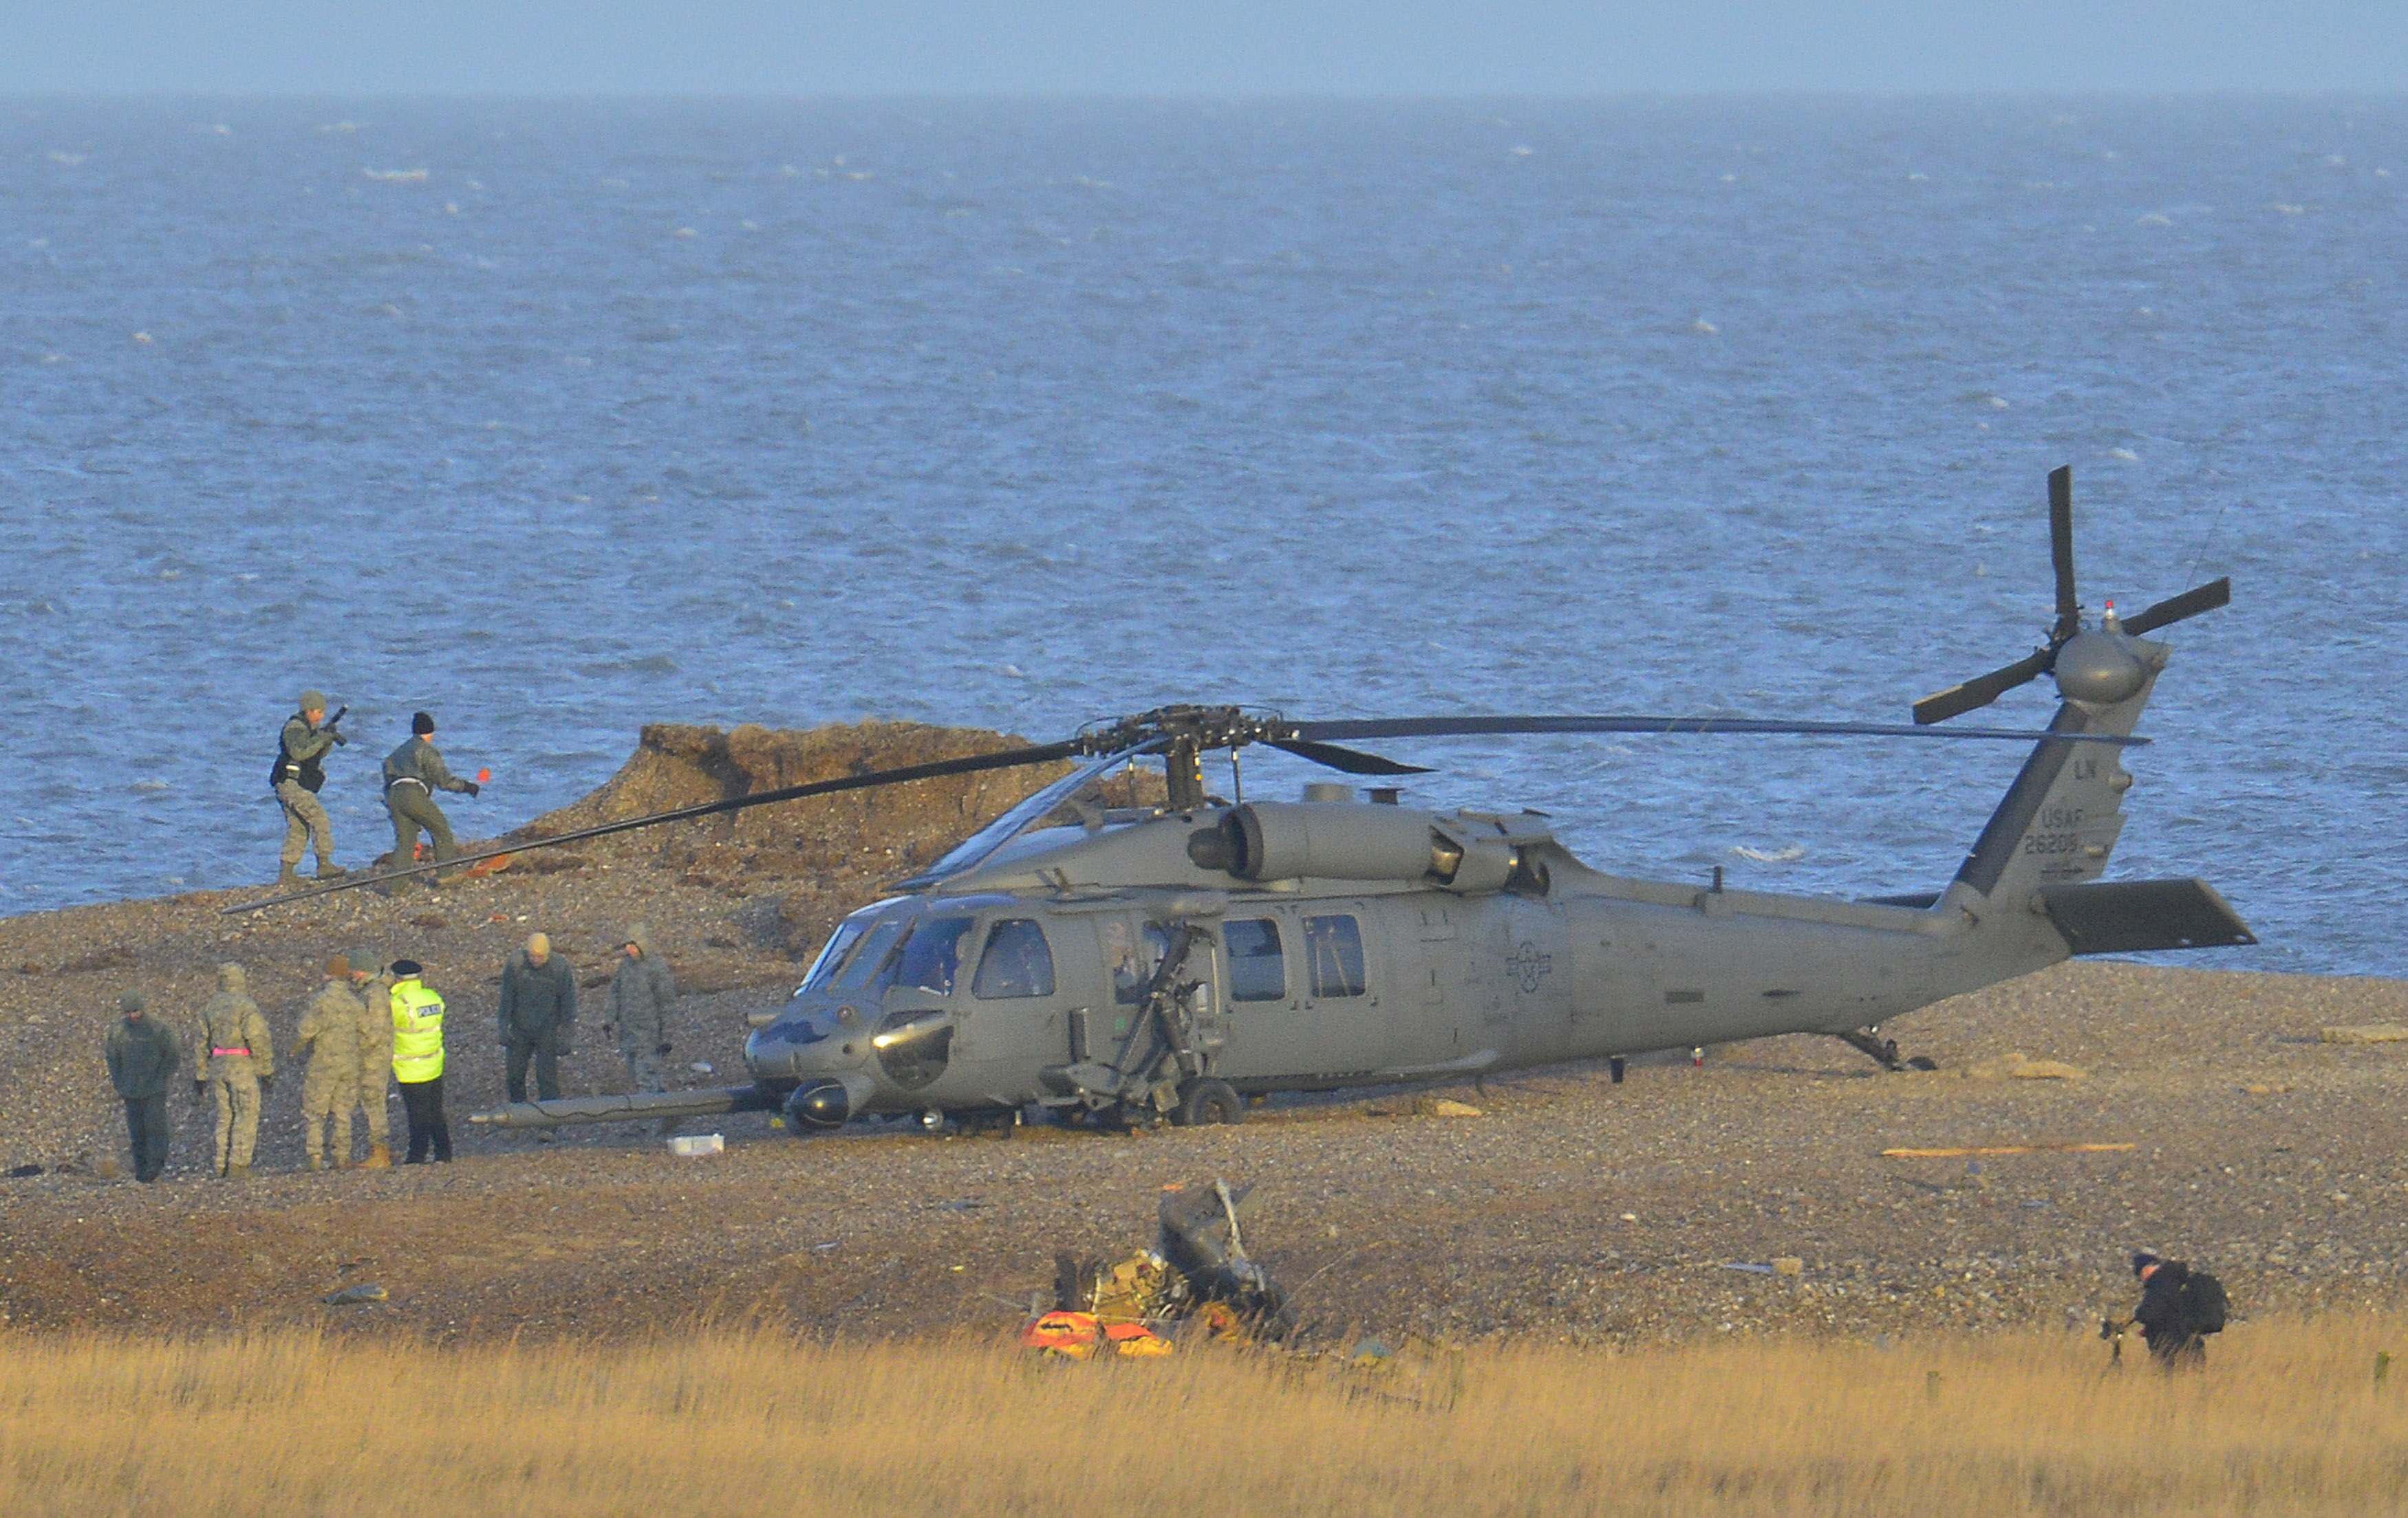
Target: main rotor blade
[1982, 689]
[968, 764]
[1721, 726]
[2060, 549]
[2173, 609]
[1350, 760]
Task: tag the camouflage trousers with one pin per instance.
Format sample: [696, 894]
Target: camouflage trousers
[305, 824]
[643, 1069]
[370, 1094]
[237, 1093]
[329, 1094]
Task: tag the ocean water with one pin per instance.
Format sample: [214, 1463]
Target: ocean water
[557, 419]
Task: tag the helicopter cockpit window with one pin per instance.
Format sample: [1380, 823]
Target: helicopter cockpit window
[831, 959]
[932, 955]
[1334, 947]
[868, 957]
[1133, 970]
[1257, 969]
[1017, 962]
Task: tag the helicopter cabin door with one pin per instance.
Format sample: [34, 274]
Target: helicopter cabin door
[1024, 993]
[1342, 1013]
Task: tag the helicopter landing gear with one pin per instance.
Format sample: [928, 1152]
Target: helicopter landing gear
[1883, 1052]
[1205, 1100]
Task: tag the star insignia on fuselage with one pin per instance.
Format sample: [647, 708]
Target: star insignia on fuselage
[1529, 967]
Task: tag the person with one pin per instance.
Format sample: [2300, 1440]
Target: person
[417, 1063]
[144, 1054]
[642, 992]
[329, 1034]
[412, 774]
[296, 778]
[538, 1012]
[233, 1061]
[2165, 1313]
[374, 984]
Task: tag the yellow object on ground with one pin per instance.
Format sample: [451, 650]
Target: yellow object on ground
[2002, 1149]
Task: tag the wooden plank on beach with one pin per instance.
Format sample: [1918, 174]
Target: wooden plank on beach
[2002, 1149]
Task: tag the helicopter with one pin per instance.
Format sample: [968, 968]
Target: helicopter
[1167, 962]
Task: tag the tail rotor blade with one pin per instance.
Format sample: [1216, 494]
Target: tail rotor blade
[1983, 689]
[2173, 609]
[2060, 549]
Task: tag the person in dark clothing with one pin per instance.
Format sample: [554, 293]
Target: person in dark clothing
[144, 1055]
[538, 1014]
[412, 774]
[2164, 1313]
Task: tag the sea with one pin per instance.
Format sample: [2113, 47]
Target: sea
[557, 418]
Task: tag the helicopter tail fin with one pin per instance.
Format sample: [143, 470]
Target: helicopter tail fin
[2059, 819]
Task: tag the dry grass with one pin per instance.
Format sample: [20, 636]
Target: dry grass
[2287, 1421]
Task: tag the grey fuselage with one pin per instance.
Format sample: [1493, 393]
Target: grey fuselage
[1416, 945]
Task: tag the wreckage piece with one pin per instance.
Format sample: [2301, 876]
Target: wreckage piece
[1202, 1239]
[564, 1111]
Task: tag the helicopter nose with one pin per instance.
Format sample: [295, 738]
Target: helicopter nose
[800, 1046]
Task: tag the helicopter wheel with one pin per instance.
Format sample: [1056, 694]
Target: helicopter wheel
[1206, 1101]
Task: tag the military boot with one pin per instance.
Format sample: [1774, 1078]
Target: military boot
[237, 1173]
[317, 1164]
[289, 874]
[380, 1158]
[329, 870]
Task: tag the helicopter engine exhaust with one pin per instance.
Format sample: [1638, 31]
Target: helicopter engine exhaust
[1278, 840]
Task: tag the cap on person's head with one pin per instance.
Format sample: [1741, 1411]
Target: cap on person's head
[363, 962]
[129, 1001]
[538, 946]
[2142, 1260]
[421, 724]
[406, 968]
[339, 967]
[313, 700]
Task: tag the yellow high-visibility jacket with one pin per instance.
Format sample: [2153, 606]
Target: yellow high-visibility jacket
[417, 1033]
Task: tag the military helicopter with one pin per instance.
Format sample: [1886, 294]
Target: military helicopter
[1167, 961]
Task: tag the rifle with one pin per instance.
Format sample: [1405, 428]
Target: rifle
[2112, 1330]
[327, 727]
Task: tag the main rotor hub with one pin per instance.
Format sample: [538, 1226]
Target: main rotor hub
[1199, 728]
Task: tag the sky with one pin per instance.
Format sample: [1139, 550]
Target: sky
[1198, 47]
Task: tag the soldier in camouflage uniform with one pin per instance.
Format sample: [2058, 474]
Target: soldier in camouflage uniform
[300, 751]
[412, 774]
[375, 984]
[233, 1061]
[330, 1087]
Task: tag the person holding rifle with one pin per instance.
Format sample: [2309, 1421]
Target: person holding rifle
[297, 777]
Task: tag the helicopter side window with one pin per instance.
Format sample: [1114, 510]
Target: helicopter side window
[1017, 962]
[1133, 970]
[1257, 969]
[932, 955]
[1334, 948]
[869, 956]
